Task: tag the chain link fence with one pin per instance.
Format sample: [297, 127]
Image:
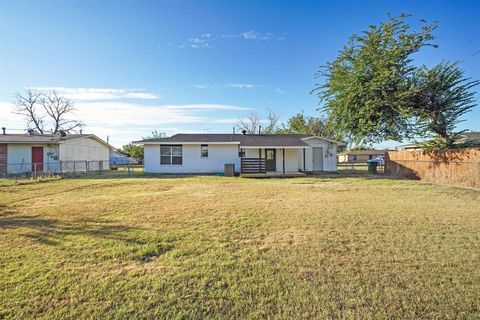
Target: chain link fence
[36, 170]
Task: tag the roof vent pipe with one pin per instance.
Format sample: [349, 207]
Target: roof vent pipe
[233, 130]
[3, 129]
[244, 132]
[30, 132]
[259, 130]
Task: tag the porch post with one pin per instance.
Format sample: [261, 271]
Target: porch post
[283, 158]
[259, 160]
[304, 169]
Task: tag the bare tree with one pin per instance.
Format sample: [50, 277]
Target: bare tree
[271, 123]
[27, 106]
[252, 123]
[41, 108]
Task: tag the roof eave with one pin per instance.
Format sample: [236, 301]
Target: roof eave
[182, 142]
[340, 143]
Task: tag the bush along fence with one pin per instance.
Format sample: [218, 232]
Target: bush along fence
[36, 170]
[455, 167]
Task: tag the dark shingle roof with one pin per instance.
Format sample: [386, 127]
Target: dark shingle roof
[43, 138]
[273, 140]
[248, 140]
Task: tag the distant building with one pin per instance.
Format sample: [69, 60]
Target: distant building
[472, 137]
[410, 147]
[118, 158]
[360, 155]
[21, 153]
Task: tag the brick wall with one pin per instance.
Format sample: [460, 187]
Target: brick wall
[3, 158]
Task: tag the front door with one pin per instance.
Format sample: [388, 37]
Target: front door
[37, 158]
[317, 159]
[270, 163]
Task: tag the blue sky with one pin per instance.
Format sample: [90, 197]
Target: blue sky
[197, 66]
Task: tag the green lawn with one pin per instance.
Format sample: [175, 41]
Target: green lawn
[216, 247]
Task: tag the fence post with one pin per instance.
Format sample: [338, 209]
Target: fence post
[86, 167]
[61, 169]
[35, 171]
[477, 179]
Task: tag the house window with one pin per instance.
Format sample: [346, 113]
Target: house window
[370, 157]
[354, 157]
[170, 155]
[204, 150]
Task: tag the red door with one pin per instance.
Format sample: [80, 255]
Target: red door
[37, 158]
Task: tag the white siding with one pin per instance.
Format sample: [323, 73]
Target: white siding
[84, 149]
[192, 162]
[291, 160]
[329, 154]
[292, 163]
[19, 157]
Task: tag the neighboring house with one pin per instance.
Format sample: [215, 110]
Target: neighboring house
[118, 158]
[472, 138]
[360, 155]
[21, 153]
[250, 153]
[408, 147]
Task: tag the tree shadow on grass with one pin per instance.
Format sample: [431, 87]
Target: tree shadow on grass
[139, 175]
[53, 232]
[363, 175]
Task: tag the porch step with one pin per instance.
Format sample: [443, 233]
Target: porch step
[273, 175]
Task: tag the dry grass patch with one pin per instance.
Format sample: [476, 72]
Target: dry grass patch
[216, 247]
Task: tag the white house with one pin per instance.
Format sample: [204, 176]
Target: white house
[57, 153]
[250, 153]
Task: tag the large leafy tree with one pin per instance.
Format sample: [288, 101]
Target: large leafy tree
[302, 124]
[132, 150]
[443, 95]
[367, 88]
[136, 151]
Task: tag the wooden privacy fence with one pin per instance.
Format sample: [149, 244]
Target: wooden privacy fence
[456, 167]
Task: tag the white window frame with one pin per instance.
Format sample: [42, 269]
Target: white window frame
[171, 155]
[202, 146]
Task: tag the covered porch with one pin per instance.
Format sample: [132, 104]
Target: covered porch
[272, 161]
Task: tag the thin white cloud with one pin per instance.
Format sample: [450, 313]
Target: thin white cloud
[100, 93]
[253, 35]
[206, 107]
[125, 121]
[206, 40]
[205, 86]
[241, 85]
[203, 41]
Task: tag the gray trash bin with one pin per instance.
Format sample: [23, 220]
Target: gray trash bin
[229, 169]
[372, 166]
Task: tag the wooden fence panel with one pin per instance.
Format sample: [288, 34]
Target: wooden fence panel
[456, 167]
